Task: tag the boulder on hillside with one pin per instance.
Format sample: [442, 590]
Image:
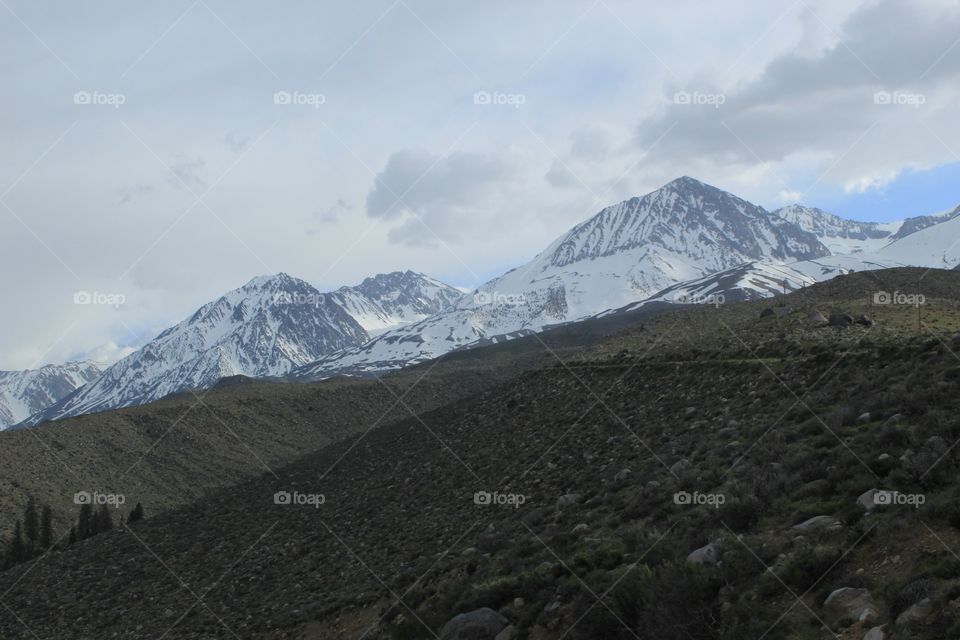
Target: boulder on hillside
[818, 523]
[480, 624]
[849, 605]
[916, 613]
[840, 320]
[707, 555]
[568, 500]
[817, 319]
[680, 466]
[511, 633]
[867, 499]
[864, 320]
[877, 633]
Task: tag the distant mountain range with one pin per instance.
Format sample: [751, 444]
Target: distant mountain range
[685, 242]
[24, 393]
[266, 328]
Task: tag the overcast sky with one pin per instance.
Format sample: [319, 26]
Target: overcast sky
[168, 152]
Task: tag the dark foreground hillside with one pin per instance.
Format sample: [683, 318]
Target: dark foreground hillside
[776, 469]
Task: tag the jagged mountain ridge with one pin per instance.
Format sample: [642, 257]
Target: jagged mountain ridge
[23, 393]
[390, 299]
[838, 234]
[625, 253]
[640, 251]
[266, 328]
[686, 238]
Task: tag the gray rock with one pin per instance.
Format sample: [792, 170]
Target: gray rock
[876, 633]
[580, 528]
[480, 624]
[865, 417]
[653, 485]
[511, 633]
[867, 499]
[916, 613]
[818, 523]
[568, 500]
[679, 467]
[864, 320]
[817, 319]
[707, 555]
[623, 475]
[850, 605]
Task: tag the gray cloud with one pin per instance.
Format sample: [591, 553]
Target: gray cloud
[824, 103]
[188, 173]
[438, 197]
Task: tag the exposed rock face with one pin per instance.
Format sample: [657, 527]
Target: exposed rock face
[481, 624]
[848, 605]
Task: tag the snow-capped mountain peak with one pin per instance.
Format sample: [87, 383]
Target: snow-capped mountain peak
[23, 393]
[392, 299]
[685, 239]
[693, 220]
[266, 328]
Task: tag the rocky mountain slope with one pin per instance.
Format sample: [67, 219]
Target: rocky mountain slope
[705, 474]
[838, 234]
[23, 393]
[389, 300]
